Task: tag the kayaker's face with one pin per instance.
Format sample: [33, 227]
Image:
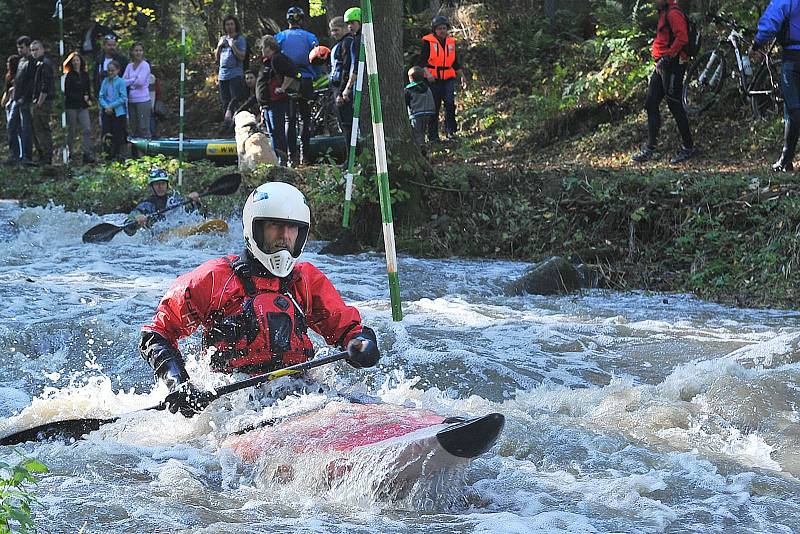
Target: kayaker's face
[160, 188]
[279, 236]
[137, 53]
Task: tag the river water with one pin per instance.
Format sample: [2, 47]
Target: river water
[626, 412]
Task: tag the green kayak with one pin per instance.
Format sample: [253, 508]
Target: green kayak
[224, 150]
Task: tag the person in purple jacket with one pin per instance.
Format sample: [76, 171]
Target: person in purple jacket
[137, 80]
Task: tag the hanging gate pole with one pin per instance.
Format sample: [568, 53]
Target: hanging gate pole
[351, 158]
[60, 14]
[181, 91]
[381, 164]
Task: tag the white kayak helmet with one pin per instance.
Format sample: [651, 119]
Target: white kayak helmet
[275, 202]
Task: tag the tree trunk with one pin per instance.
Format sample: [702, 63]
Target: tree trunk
[406, 162]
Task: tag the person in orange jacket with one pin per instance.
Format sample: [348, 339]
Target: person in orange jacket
[666, 81]
[255, 309]
[442, 67]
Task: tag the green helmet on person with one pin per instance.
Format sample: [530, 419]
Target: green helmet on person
[353, 15]
[157, 175]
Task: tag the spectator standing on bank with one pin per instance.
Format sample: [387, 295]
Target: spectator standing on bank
[340, 73]
[137, 80]
[20, 124]
[666, 81]
[440, 60]
[44, 93]
[296, 44]
[420, 104]
[781, 19]
[108, 54]
[352, 17]
[230, 54]
[272, 85]
[77, 99]
[8, 102]
[113, 100]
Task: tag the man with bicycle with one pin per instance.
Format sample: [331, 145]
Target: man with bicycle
[781, 21]
[672, 36]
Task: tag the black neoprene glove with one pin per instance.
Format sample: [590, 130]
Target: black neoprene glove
[362, 350]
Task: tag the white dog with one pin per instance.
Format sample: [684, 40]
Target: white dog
[253, 145]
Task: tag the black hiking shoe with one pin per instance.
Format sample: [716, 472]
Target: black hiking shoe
[646, 154]
[783, 164]
[683, 155]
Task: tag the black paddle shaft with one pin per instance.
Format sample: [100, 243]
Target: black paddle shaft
[73, 429]
[104, 232]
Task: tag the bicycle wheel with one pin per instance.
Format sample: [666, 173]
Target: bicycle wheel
[765, 95]
[704, 80]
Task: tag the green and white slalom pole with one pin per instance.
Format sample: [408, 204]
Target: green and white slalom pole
[181, 95]
[351, 158]
[60, 14]
[368, 38]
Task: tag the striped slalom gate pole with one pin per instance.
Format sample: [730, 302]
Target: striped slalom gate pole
[60, 13]
[351, 158]
[182, 85]
[368, 38]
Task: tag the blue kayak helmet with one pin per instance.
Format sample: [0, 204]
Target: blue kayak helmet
[295, 15]
[157, 175]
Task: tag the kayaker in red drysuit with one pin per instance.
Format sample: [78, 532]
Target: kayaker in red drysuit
[255, 309]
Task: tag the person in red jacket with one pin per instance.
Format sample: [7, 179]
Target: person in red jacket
[255, 309]
[672, 36]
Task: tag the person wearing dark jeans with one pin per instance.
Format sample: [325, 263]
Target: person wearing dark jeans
[230, 54]
[273, 83]
[442, 66]
[113, 100]
[20, 124]
[300, 108]
[44, 91]
[672, 36]
[781, 20]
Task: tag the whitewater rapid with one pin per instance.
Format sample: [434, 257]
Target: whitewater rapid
[628, 412]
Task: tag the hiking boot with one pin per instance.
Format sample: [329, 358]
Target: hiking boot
[780, 166]
[683, 155]
[646, 154]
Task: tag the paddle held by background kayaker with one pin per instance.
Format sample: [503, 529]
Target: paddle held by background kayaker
[256, 308]
[158, 182]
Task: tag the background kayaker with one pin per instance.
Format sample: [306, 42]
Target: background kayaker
[255, 309]
[158, 181]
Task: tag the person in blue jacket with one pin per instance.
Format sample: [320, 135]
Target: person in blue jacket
[296, 43]
[113, 99]
[781, 20]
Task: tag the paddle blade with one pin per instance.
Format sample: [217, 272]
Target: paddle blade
[71, 429]
[225, 185]
[102, 233]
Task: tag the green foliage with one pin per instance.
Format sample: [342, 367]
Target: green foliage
[109, 187]
[16, 498]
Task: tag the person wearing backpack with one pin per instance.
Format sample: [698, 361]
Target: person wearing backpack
[781, 19]
[671, 56]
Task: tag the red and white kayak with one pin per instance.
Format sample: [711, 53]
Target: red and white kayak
[343, 439]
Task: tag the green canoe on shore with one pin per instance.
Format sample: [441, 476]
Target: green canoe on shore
[223, 151]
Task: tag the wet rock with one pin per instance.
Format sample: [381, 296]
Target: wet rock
[346, 243]
[552, 277]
